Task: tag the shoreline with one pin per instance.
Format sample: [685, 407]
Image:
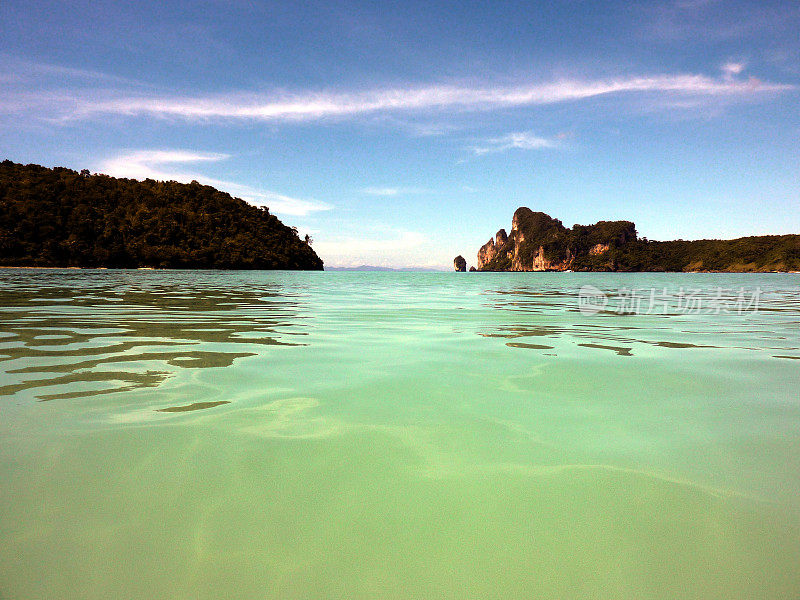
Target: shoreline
[6, 267]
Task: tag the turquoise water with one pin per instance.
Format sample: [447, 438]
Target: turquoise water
[398, 435]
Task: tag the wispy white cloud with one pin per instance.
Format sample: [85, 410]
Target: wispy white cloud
[314, 106]
[731, 69]
[391, 191]
[523, 140]
[18, 70]
[148, 164]
[161, 165]
[381, 191]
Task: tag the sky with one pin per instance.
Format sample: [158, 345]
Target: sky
[401, 134]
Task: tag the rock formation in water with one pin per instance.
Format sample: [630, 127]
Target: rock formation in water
[490, 249]
[62, 218]
[459, 263]
[538, 242]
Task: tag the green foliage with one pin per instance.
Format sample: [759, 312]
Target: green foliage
[539, 231]
[61, 218]
[755, 254]
[501, 262]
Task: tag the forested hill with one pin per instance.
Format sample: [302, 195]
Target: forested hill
[538, 242]
[62, 218]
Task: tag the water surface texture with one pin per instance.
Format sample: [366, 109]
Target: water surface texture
[398, 435]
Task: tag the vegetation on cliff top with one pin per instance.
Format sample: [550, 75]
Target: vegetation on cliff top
[62, 218]
[764, 253]
[614, 246]
[560, 243]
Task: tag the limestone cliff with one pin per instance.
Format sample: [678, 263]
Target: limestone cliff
[490, 249]
[538, 242]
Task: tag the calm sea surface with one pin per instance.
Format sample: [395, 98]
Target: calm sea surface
[399, 435]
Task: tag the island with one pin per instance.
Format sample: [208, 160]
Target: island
[538, 242]
[64, 218]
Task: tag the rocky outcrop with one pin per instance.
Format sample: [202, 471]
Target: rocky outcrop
[490, 249]
[459, 263]
[486, 253]
[538, 242]
[543, 263]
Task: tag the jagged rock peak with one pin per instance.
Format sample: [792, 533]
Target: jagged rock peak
[538, 242]
[492, 248]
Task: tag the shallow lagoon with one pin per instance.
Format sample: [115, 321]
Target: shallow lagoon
[431, 435]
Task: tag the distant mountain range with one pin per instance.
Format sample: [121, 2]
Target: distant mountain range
[62, 218]
[538, 242]
[373, 268]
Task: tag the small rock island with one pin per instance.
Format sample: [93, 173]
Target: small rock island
[459, 263]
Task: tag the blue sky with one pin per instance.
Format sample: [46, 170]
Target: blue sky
[402, 134]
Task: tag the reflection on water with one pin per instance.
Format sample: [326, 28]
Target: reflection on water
[68, 335]
[531, 346]
[618, 350]
[553, 312]
[193, 406]
[415, 435]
